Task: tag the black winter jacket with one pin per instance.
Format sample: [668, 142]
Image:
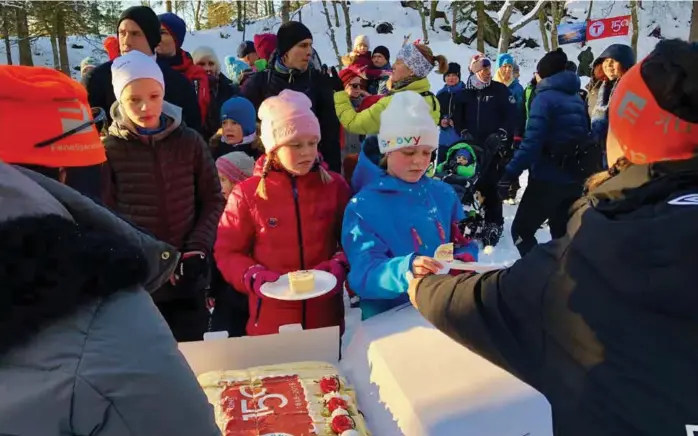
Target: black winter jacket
[604, 321]
[271, 82]
[488, 110]
[178, 91]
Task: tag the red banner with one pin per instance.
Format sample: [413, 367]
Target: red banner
[276, 405]
[608, 27]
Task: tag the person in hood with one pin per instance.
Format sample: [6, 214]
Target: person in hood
[414, 63]
[603, 321]
[489, 111]
[161, 177]
[65, 145]
[558, 122]
[238, 130]
[399, 216]
[608, 69]
[82, 345]
[221, 88]
[585, 59]
[265, 45]
[138, 29]
[173, 30]
[290, 68]
[451, 99]
[287, 217]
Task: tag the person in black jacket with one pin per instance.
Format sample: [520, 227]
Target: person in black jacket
[139, 29]
[290, 68]
[604, 321]
[489, 109]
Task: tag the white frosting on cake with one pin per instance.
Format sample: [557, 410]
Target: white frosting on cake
[339, 411]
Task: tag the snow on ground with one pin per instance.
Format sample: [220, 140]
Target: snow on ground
[673, 16]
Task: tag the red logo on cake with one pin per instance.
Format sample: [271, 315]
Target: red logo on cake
[276, 405]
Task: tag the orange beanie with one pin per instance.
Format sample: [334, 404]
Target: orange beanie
[645, 132]
[37, 104]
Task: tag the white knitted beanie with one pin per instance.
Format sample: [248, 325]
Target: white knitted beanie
[132, 66]
[407, 122]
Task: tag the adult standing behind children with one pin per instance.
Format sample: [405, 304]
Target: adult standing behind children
[139, 30]
[289, 68]
[287, 217]
[160, 176]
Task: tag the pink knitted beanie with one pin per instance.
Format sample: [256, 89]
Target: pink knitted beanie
[285, 118]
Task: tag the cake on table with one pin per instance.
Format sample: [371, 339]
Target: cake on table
[295, 399]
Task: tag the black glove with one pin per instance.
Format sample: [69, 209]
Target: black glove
[334, 80]
[503, 135]
[504, 186]
[191, 267]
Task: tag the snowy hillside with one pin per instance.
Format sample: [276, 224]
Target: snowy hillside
[673, 17]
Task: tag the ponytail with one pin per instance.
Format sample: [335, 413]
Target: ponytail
[439, 60]
[262, 186]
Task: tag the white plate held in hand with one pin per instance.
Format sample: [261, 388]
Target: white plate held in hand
[281, 289]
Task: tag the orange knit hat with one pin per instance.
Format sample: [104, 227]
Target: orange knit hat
[645, 131]
[38, 104]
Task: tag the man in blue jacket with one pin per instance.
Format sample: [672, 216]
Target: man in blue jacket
[557, 124]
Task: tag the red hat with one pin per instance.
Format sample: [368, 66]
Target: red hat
[645, 131]
[46, 120]
[265, 44]
[349, 73]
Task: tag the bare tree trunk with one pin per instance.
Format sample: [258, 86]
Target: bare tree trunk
[238, 3]
[542, 21]
[507, 30]
[62, 40]
[300, 13]
[272, 12]
[481, 21]
[25, 48]
[168, 5]
[54, 51]
[6, 33]
[454, 28]
[244, 21]
[432, 13]
[591, 6]
[636, 25]
[347, 24]
[336, 15]
[331, 30]
[422, 15]
[285, 12]
[197, 15]
[693, 32]
[554, 6]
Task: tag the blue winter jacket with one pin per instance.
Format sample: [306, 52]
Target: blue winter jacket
[387, 223]
[557, 118]
[451, 100]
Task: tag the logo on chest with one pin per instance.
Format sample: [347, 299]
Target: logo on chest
[272, 222]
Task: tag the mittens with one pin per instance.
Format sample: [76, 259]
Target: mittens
[338, 266]
[256, 276]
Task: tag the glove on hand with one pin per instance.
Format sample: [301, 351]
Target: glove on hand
[256, 276]
[192, 265]
[338, 267]
[334, 80]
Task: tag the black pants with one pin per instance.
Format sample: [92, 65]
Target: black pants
[231, 313]
[543, 201]
[187, 317]
[494, 218]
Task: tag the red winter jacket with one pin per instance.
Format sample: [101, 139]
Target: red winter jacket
[298, 227]
[198, 78]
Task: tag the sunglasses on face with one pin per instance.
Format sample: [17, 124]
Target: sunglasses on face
[355, 86]
[98, 116]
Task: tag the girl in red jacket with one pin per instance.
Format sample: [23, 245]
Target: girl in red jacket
[286, 217]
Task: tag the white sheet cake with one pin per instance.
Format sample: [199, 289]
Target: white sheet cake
[298, 399]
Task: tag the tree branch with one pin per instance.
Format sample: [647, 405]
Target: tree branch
[533, 14]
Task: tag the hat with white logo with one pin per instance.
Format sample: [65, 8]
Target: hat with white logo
[407, 122]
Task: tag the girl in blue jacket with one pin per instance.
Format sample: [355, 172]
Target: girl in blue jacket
[399, 217]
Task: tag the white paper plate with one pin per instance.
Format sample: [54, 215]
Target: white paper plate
[473, 266]
[281, 290]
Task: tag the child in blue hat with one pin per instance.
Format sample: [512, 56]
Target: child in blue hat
[238, 130]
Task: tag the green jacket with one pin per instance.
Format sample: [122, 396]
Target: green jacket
[367, 122]
[467, 171]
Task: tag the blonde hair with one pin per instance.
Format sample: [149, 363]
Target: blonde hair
[269, 162]
[439, 60]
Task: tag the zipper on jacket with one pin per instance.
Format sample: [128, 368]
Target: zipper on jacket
[160, 183]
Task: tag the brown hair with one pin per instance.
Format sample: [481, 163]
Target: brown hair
[268, 164]
[599, 179]
[439, 60]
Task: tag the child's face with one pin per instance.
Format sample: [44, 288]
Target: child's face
[452, 79]
[462, 160]
[410, 163]
[142, 102]
[226, 185]
[298, 157]
[232, 132]
[379, 60]
[362, 48]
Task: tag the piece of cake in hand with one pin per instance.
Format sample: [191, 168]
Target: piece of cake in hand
[444, 253]
[301, 282]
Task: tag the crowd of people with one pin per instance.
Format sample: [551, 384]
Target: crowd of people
[159, 194]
